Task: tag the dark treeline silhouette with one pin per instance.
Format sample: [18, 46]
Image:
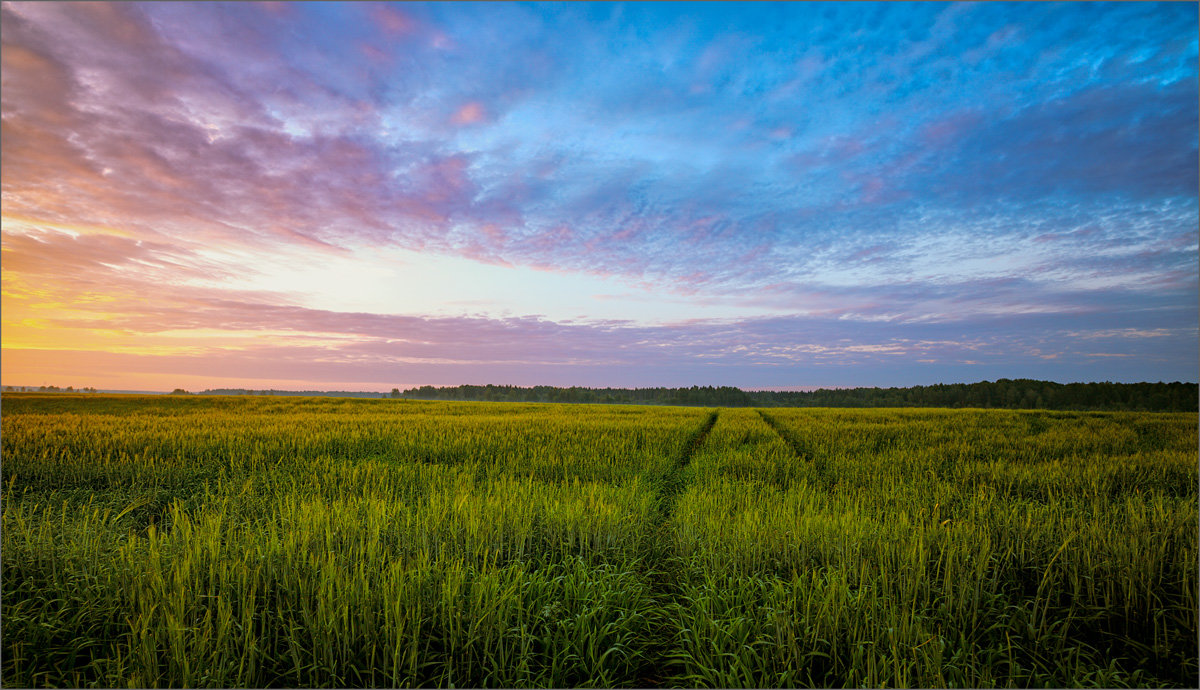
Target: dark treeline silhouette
[1017, 394]
[1024, 394]
[724, 396]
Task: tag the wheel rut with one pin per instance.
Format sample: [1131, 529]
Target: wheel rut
[802, 452]
[672, 483]
[664, 569]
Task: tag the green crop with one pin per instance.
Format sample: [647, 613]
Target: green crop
[304, 542]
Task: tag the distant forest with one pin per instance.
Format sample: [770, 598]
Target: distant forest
[1013, 394]
[1019, 394]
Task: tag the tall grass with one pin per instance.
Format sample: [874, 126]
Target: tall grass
[233, 542]
[937, 549]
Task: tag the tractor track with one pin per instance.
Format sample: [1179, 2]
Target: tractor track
[664, 569]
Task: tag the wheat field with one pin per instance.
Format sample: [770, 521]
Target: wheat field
[314, 542]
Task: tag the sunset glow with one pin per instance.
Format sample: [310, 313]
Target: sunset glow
[364, 196]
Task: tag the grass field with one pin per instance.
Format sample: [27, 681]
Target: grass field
[300, 542]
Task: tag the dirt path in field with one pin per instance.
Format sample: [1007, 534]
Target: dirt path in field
[802, 452]
[664, 568]
[672, 483]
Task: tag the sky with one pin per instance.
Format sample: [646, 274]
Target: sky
[365, 196]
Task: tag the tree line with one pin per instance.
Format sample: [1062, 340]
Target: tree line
[1013, 394]
[1022, 394]
[48, 389]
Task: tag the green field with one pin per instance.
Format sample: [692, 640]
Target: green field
[301, 542]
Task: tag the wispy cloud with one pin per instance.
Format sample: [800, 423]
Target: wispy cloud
[867, 173]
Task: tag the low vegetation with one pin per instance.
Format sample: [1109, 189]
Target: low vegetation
[302, 542]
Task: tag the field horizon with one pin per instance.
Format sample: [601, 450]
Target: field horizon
[1001, 394]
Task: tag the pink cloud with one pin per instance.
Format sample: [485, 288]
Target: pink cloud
[950, 129]
[844, 148]
[117, 127]
[393, 21]
[276, 7]
[159, 142]
[469, 114]
[375, 54]
[322, 345]
[260, 337]
[494, 234]
[550, 241]
[148, 164]
[873, 190]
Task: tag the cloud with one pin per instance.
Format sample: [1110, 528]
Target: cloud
[100, 308]
[149, 128]
[471, 113]
[393, 21]
[1132, 141]
[855, 167]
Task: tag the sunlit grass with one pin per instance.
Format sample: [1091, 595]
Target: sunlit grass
[256, 542]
